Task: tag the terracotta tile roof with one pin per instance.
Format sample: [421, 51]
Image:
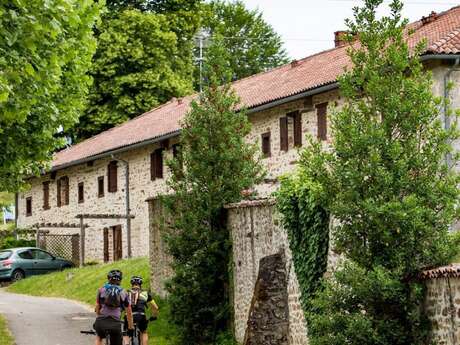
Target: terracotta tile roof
[451, 271]
[442, 35]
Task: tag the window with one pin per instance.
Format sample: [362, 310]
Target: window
[156, 164]
[176, 149]
[46, 195]
[63, 191]
[297, 119]
[81, 193]
[40, 255]
[5, 254]
[112, 174]
[26, 254]
[29, 206]
[266, 151]
[100, 186]
[321, 111]
[284, 135]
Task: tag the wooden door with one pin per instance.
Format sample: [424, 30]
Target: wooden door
[106, 245]
[117, 244]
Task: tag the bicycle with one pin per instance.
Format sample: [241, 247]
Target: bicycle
[107, 335]
[136, 337]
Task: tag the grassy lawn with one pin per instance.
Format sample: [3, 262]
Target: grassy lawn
[82, 284]
[5, 335]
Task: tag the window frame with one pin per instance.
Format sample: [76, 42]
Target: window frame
[29, 206]
[112, 177]
[157, 164]
[266, 150]
[46, 195]
[100, 187]
[321, 118]
[81, 192]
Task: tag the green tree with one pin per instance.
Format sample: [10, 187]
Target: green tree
[214, 166]
[136, 67]
[251, 43]
[386, 184]
[46, 49]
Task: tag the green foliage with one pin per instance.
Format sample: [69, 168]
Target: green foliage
[385, 182]
[81, 284]
[214, 166]
[46, 49]
[5, 334]
[137, 66]
[368, 307]
[251, 43]
[307, 225]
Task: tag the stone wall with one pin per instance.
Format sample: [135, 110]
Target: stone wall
[256, 234]
[442, 304]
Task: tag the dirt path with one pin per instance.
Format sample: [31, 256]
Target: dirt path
[46, 321]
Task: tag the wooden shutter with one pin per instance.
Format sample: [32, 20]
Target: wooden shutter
[106, 245]
[29, 206]
[81, 193]
[266, 150]
[46, 195]
[58, 192]
[297, 117]
[112, 175]
[159, 163]
[156, 164]
[65, 190]
[284, 142]
[321, 111]
[153, 166]
[100, 186]
[117, 243]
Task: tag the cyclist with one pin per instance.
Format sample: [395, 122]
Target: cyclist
[140, 299]
[110, 301]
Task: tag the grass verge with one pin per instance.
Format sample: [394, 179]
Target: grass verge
[5, 335]
[81, 284]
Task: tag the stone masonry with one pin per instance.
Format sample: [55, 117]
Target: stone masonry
[257, 234]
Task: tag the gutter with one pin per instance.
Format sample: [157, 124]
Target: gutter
[311, 92]
[128, 209]
[116, 151]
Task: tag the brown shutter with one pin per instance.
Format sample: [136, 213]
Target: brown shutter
[65, 189]
[321, 111]
[81, 193]
[297, 116]
[152, 166]
[58, 193]
[284, 143]
[106, 245]
[46, 195]
[112, 176]
[266, 151]
[117, 243]
[100, 186]
[29, 206]
[159, 163]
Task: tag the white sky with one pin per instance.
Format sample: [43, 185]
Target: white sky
[308, 26]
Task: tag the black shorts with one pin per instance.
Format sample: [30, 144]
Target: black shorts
[140, 321]
[111, 326]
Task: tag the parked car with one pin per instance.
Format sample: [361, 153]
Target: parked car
[18, 263]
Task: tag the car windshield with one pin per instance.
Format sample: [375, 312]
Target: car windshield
[5, 254]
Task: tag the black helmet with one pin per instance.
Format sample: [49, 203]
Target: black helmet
[136, 280]
[115, 275]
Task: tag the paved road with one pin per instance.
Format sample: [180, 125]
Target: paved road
[46, 321]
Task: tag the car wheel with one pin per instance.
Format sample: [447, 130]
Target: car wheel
[17, 275]
[65, 267]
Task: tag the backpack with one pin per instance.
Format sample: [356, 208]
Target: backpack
[112, 297]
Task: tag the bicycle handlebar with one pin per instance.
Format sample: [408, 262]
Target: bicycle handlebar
[88, 332]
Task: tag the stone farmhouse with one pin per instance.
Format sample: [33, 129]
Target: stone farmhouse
[284, 105]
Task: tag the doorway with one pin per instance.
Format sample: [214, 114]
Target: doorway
[113, 236]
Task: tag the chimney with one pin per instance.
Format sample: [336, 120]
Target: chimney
[340, 38]
[431, 18]
[294, 63]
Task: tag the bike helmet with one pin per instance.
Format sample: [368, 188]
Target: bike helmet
[115, 275]
[136, 280]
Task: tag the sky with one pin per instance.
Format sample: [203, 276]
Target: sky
[308, 26]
